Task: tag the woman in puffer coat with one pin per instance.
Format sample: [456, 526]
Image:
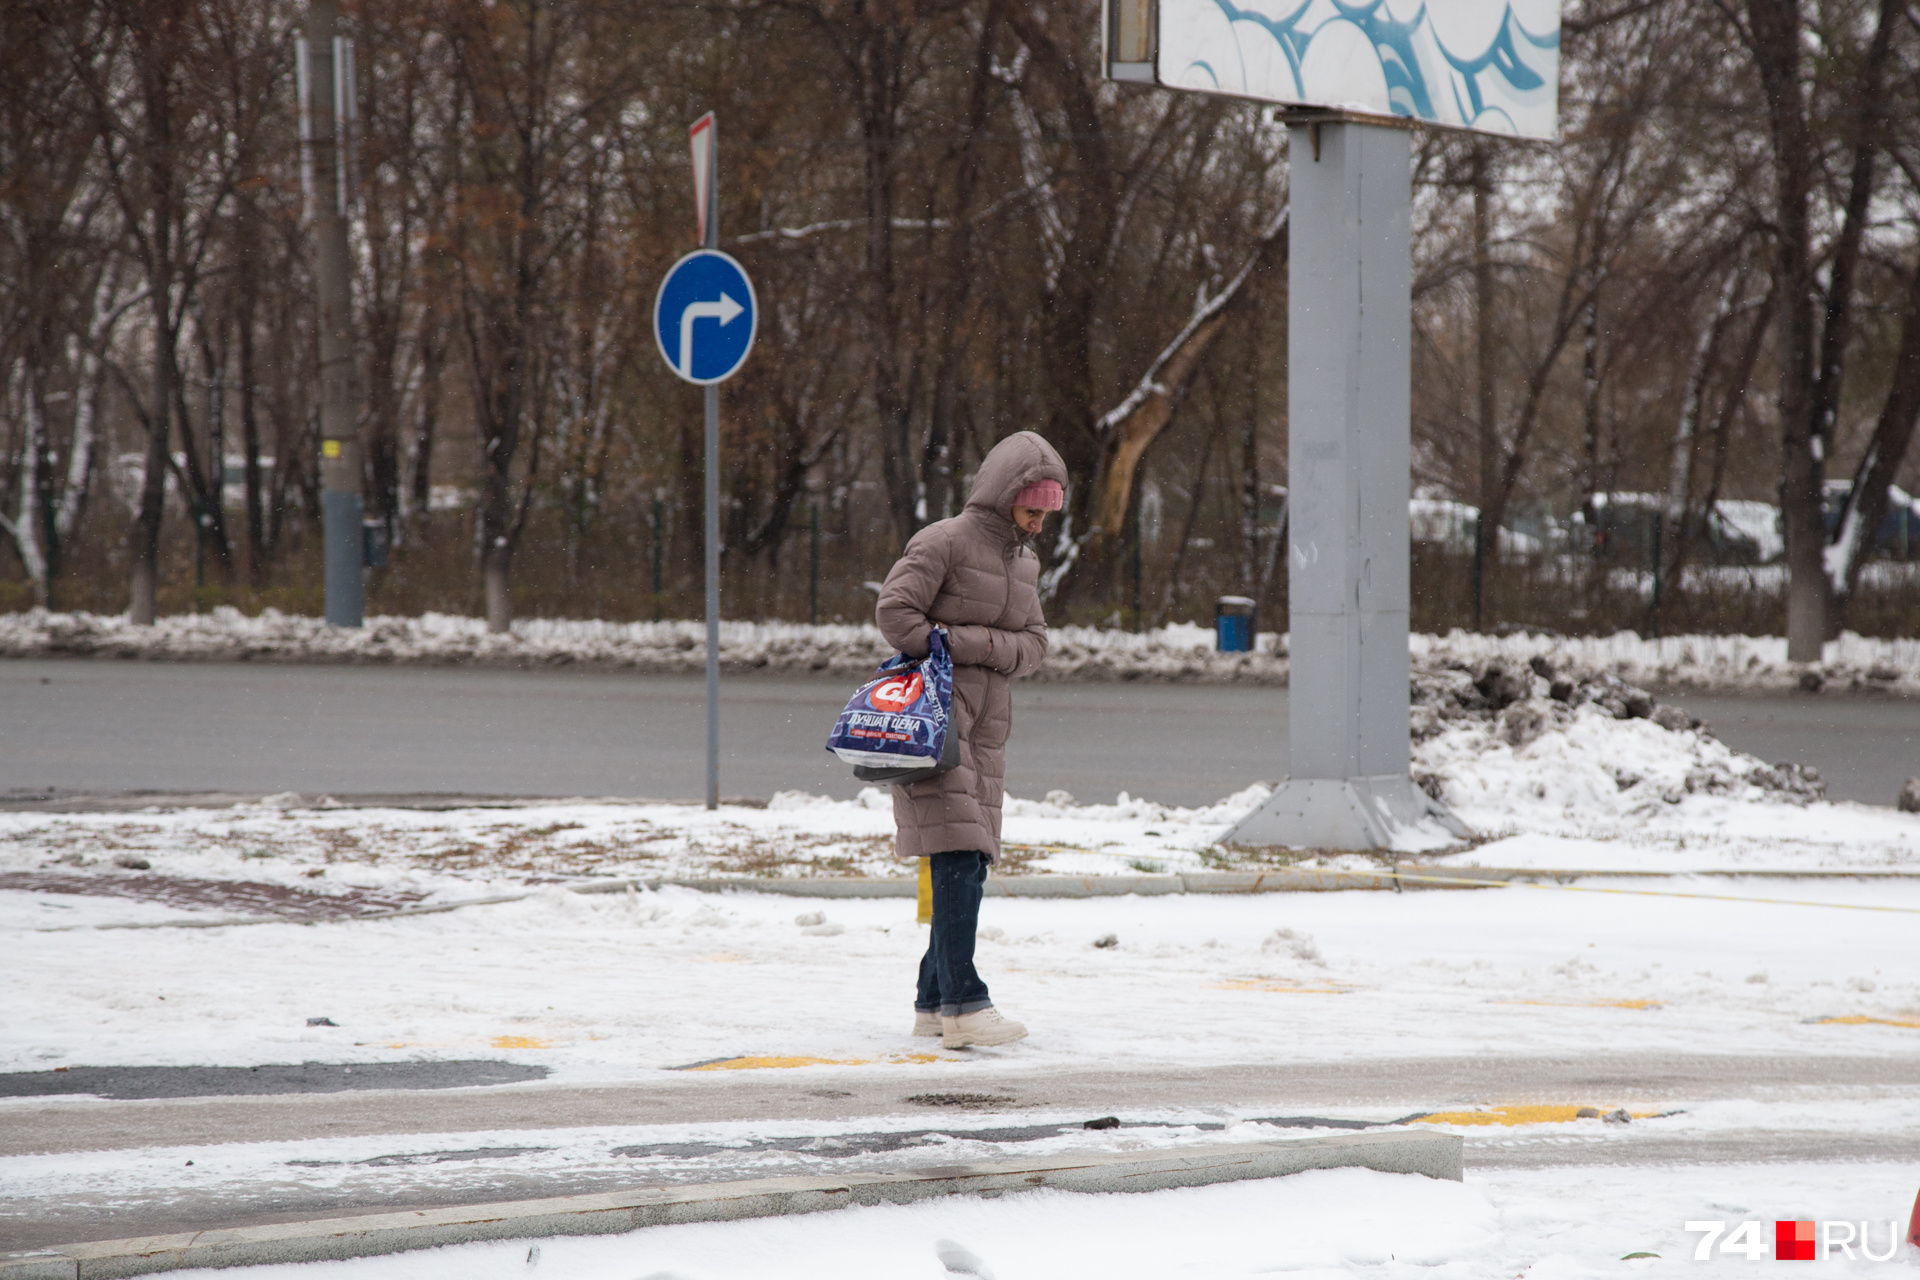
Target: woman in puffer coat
[975, 577]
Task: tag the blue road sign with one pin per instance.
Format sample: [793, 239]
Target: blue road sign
[705, 316]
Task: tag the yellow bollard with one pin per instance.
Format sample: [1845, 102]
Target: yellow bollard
[925, 914]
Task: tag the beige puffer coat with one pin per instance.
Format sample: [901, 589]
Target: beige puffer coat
[975, 575]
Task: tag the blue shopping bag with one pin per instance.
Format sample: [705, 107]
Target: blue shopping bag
[895, 729]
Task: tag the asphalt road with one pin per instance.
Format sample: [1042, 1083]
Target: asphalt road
[1865, 748]
[239, 727]
[839, 1102]
[83, 726]
[125, 1083]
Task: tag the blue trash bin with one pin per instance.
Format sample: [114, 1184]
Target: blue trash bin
[1233, 624]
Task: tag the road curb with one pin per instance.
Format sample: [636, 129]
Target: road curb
[1433, 1154]
[1406, 876]
[1280, 880]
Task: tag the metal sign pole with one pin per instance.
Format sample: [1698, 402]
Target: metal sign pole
[326, 110]
[713, 596]
[710, 219]
[1349, 330]
[704, 319]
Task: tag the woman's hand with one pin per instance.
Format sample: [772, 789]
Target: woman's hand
[977, 645]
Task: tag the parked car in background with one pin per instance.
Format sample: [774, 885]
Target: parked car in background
[1756, 522]
[1897, 538]
[1621, 527]
[1451, 525]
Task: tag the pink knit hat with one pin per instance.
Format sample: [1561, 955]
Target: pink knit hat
[1041, 495]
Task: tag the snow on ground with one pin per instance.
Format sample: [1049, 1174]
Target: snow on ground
[1542, 1224]
[617, 986]
[314, 847]
[1730, 664]
[624, 985]
[607, 985]
[1179, 652]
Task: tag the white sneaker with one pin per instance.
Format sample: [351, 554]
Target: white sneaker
[926, 1022]
[982, 1026]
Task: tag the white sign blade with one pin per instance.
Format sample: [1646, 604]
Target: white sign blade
[700, 137]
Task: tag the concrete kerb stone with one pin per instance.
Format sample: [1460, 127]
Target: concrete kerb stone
[1036, 886]
[1434, 1155]
[38, 1266]
[1402, 876]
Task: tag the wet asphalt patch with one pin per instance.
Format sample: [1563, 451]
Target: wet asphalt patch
[428, 1157]
[127, 1083]
[860, 1144]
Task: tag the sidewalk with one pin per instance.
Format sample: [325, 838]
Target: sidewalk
[108, 1170]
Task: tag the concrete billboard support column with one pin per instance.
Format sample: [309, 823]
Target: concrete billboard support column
[1349, 326]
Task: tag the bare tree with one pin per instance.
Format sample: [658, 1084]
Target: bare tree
[541, 79]
[1815, 327]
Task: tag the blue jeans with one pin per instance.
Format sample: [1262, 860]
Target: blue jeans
[949, 984]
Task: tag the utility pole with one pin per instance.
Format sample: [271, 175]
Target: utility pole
[325, 66]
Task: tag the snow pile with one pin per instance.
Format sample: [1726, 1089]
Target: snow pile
[1178, 652]
[444, 639]
[1521, 742]
[1744, 664]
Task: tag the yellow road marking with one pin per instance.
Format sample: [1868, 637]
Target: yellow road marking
[1861, 1020]
[1513, 1116]
[520, 1042]
[1473, 883]
[1588, 1004]
[1279, 984]
[763, 1063]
